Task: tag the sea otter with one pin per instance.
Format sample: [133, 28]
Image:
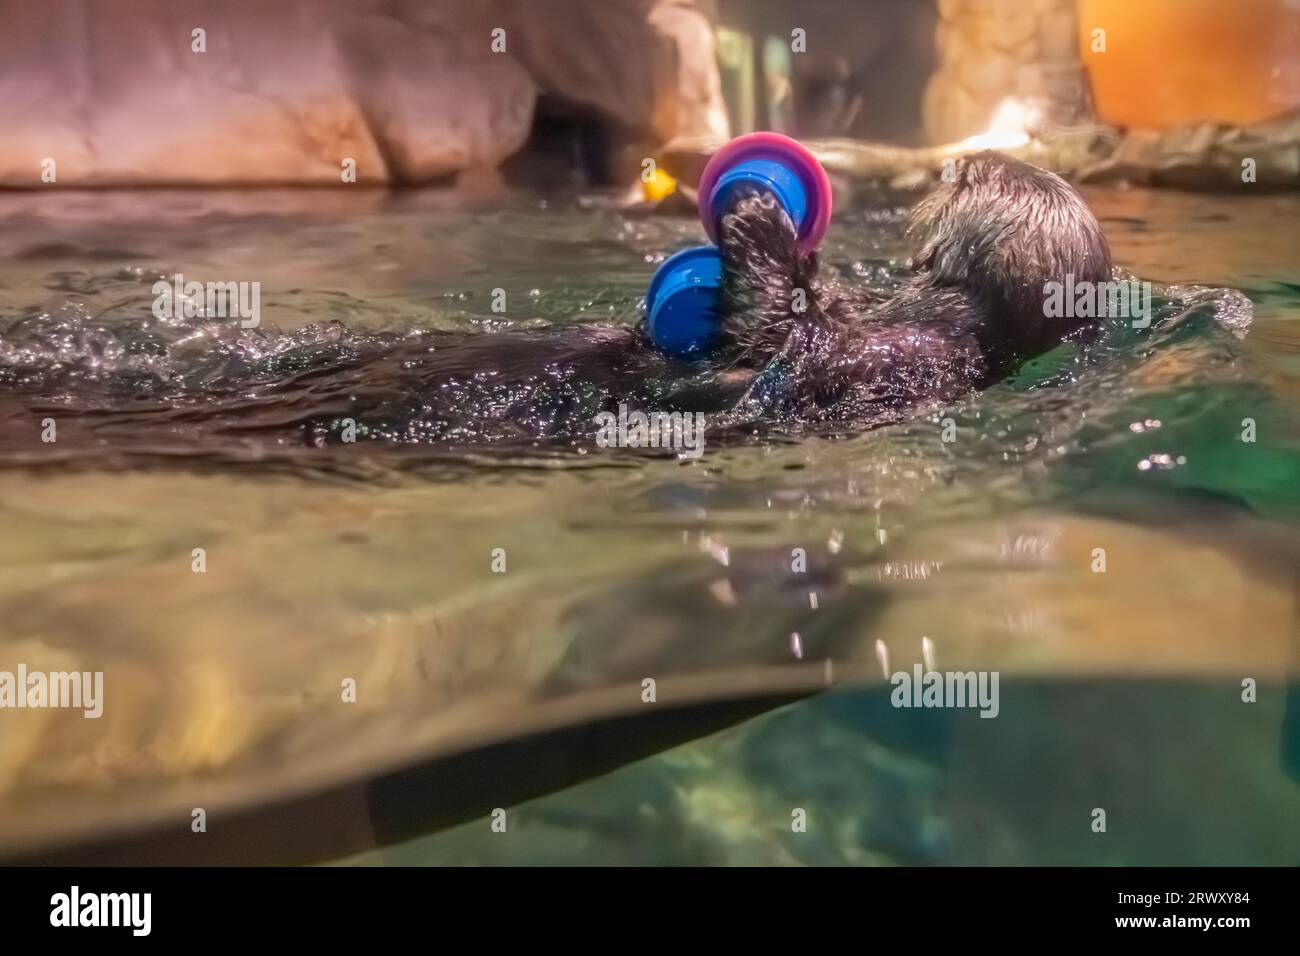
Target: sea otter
[794, 350]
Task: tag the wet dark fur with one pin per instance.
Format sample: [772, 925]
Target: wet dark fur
[988, 242]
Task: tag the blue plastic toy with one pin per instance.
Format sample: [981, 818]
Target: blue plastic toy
[682, 301]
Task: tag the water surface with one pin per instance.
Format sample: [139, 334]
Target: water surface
[1120, 689]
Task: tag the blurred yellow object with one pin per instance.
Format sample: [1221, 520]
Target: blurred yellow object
[659, 185]
[1158, 64]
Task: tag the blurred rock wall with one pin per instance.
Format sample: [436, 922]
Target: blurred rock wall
[990, 50]
[861, 71]
[285, 91]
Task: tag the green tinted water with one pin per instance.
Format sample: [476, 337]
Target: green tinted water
[1119, 690]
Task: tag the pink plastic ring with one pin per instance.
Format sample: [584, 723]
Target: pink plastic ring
[781, 149]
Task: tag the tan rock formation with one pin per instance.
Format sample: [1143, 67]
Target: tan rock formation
[99, 94]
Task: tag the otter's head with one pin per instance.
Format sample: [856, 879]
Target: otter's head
[1002, 230]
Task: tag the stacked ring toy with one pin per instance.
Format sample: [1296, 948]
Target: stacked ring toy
[683, 297]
